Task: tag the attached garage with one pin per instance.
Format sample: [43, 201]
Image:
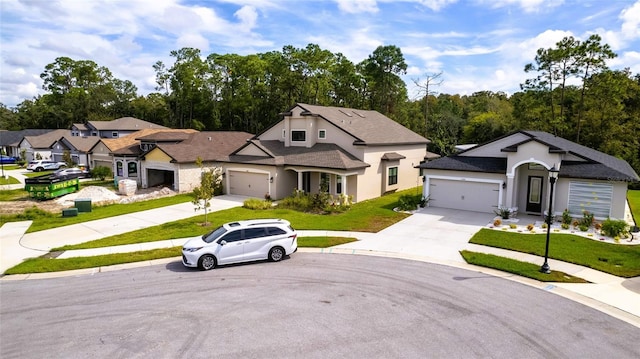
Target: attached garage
[467, 195]
[158, 177]
[251, 184]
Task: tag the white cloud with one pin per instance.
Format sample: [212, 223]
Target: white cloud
[248, 17]
[357, 6]
[631, 21]
[529, 6]
[193, 40]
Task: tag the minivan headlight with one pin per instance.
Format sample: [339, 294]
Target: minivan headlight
[192, 249]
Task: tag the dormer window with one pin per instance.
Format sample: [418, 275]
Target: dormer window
[298, 135]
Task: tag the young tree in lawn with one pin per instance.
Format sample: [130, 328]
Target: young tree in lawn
[203, 194]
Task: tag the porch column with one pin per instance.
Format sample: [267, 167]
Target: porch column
[299, 181]
[510, 191]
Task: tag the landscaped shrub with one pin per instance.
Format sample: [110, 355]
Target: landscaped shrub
[614, 227]
[101, 172]
[566, 218]
[408, 202]
[497, 222]
[530, 227]
[583, 227]
[513, 226]
[587, 219]
[254, 203]
[503, 212]
[316, 203]
[564, 226]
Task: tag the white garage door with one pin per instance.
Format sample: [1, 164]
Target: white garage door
[464, 195]
[248, 184]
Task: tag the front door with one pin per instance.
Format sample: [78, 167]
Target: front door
[534, 195]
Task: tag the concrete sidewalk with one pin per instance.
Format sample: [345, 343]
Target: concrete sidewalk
[430, 235]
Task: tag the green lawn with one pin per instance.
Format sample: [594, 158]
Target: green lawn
[8, 180]
[633, 196]
[367, 216]
[522, 269]
[616, 259]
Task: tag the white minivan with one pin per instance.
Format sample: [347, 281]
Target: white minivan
[241, 241]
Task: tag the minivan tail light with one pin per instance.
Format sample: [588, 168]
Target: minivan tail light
[293, 237]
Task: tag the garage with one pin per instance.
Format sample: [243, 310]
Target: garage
[465, 195]
[249, 184]
[156, 177]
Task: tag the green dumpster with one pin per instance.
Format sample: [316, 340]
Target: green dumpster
[83, 204]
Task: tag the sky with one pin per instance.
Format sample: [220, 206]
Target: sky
[476, 45]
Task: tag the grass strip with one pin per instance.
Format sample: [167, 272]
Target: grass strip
[8, 180]
[46, 265]
[616, 259]
[522, 269]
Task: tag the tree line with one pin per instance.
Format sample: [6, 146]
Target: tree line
[571, 93]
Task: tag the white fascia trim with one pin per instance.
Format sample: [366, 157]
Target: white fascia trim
[323, 170]
[512, 173]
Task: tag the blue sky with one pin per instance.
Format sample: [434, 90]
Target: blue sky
[476, 44]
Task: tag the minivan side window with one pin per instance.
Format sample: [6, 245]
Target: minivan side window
[274, 231]
[232, 236]
[254, 233]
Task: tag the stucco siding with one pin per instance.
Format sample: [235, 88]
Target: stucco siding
[492, 149]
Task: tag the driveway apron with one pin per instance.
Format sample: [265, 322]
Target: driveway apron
[437, 233]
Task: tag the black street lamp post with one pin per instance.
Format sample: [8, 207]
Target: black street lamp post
[553, 176]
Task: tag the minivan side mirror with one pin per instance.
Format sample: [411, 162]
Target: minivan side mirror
[222, 242]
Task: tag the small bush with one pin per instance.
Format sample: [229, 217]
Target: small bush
[614, 227]
[583, 227]
[513, 226]
[254, 203]
[497, 222]
[101, 172]
[565, 225]
[409, 202]
[587, 219]
[566, 218]
[503, 212]
[530, 227]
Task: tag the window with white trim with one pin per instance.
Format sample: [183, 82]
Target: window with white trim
[393, 175]
[322, 134]
[589, 196]
[298, 135]
[114, 134]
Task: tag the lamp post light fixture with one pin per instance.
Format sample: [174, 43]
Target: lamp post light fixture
[553, 176]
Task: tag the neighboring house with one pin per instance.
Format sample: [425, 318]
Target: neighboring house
[78, 147]
[170, 158]
[343, 151]
[40, 146]
[123, 154]
[10, 140]
[112, 129]
[512, 171]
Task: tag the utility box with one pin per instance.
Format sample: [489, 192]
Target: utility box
[69, 212]
[83, 204]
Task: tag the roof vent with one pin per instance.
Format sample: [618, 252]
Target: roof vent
[209, 138]
[346, 113]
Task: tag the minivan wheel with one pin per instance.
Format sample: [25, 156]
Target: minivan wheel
[276, 254]
[39, 169]
[207, 262]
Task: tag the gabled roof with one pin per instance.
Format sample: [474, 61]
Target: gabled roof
[130, 145]
[47, 139]
[209, 146]
[321, 155]
[13, 138]
[366, 126]
[596, 165]
[124, 124]
[82, 144]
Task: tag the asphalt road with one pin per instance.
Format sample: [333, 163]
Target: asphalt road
[310, 305]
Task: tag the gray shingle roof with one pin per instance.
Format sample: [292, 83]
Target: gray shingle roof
[47, 140]
[123, 124]
[321, 155]
[209, 146]
[82, 144]
[367, 126]
[13, 138]
[471, 164]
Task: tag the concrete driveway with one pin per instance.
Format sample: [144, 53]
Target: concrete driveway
[435, 233]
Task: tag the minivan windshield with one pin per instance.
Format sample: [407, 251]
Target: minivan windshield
[216, 233]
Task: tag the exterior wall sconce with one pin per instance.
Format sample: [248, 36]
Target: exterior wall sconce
[271, 180]
[504, 185]
[224, 174]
